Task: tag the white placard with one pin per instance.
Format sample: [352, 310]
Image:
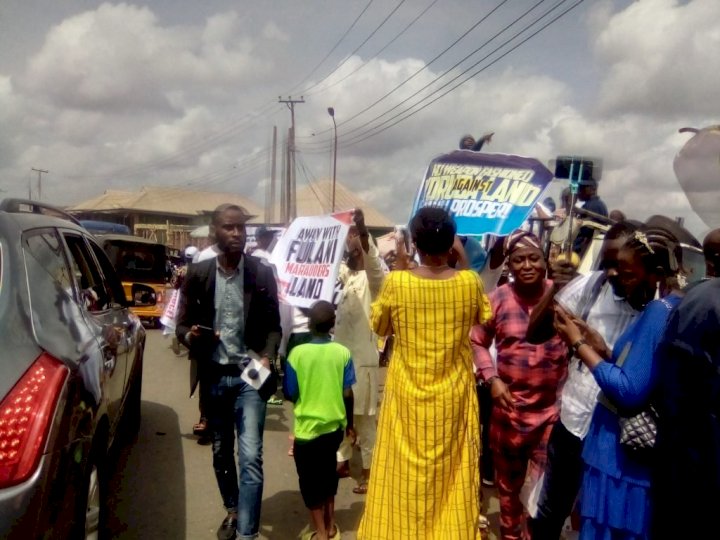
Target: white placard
[307, 258]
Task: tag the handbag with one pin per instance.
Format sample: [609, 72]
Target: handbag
[637, 432]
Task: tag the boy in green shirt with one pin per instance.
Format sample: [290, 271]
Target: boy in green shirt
[318, 378]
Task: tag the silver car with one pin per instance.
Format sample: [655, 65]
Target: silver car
[71, 357]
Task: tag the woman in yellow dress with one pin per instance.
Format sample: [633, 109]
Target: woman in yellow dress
[425, 476]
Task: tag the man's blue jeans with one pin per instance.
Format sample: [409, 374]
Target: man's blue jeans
[236, 406]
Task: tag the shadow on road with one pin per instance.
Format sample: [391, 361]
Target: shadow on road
[147, 487]
[287, 510]
[275, 419]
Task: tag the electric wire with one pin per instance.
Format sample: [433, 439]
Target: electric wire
[375, 129]
[347, 58]
[306, 172]
[426, 66]
[443, 74]
[358, 140]
[365, 63]
[339, 41]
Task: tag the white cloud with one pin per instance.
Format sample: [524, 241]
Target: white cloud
[119, 58]
[120, 97]
[661, 58]
[272, 31]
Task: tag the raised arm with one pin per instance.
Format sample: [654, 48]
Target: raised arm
[371, 255]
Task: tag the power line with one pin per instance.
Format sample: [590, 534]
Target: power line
[439, 77]
[339, 41]
[375, 129]
[426, 66]
[365, 63]
[306, 172]
[473, 74]
[357, 48]
[435, 80]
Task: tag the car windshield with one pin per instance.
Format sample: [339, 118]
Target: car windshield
[137, 261]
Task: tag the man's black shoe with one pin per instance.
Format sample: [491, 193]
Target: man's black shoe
[227, 528]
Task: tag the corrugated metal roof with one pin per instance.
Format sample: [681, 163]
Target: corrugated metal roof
[315, 199]
[162, 200]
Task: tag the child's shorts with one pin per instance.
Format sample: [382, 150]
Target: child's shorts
[316, 466]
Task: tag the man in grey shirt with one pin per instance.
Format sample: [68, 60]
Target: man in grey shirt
[228, 312]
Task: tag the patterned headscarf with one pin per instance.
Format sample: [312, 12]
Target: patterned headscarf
[519, 239]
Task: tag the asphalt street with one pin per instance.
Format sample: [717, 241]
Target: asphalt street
[163, 486]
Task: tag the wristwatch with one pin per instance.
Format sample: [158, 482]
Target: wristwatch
[576, 346]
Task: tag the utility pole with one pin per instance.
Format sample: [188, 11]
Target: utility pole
[283, 183]
[270, 206]
[291, 199]
[40, 172]
[331, 112]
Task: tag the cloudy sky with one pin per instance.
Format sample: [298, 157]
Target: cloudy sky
[185, 93]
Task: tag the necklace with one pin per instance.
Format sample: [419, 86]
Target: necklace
[433, 266]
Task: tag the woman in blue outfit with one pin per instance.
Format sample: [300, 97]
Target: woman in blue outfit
[614, 499]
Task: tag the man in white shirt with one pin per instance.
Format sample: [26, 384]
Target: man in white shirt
[361, 278]
[597, 299]
[263, 238]
[209, 252]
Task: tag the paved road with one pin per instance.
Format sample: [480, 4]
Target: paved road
[163, 486]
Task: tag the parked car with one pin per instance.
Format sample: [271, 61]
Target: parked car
[71, 365]
[143, 268]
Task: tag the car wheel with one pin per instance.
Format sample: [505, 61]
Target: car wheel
[93, 505]
[92, 508]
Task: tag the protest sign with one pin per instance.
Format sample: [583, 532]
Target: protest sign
[485, 193]
[307, 258]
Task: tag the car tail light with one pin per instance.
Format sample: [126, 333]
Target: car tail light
[159, 298]
[25, 417]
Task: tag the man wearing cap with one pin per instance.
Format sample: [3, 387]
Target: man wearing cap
[587, 194]
[228, 311]
[263, 238]
[524, 384]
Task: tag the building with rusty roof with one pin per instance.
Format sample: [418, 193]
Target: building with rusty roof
[168, 215]
[165, 215]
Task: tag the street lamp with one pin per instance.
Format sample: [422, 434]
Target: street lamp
[331, 112]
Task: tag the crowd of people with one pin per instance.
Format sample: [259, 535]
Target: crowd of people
[602, 390]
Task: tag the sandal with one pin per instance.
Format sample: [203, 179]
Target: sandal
[483, 522]
[201, 427]
[361, 489]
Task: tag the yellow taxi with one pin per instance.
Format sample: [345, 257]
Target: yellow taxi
[143, 268]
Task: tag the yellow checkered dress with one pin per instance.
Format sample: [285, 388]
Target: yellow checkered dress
[424, 480]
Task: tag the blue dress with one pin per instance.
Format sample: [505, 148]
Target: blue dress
[614, 499]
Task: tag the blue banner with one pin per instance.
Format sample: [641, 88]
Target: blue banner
[485, 193]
